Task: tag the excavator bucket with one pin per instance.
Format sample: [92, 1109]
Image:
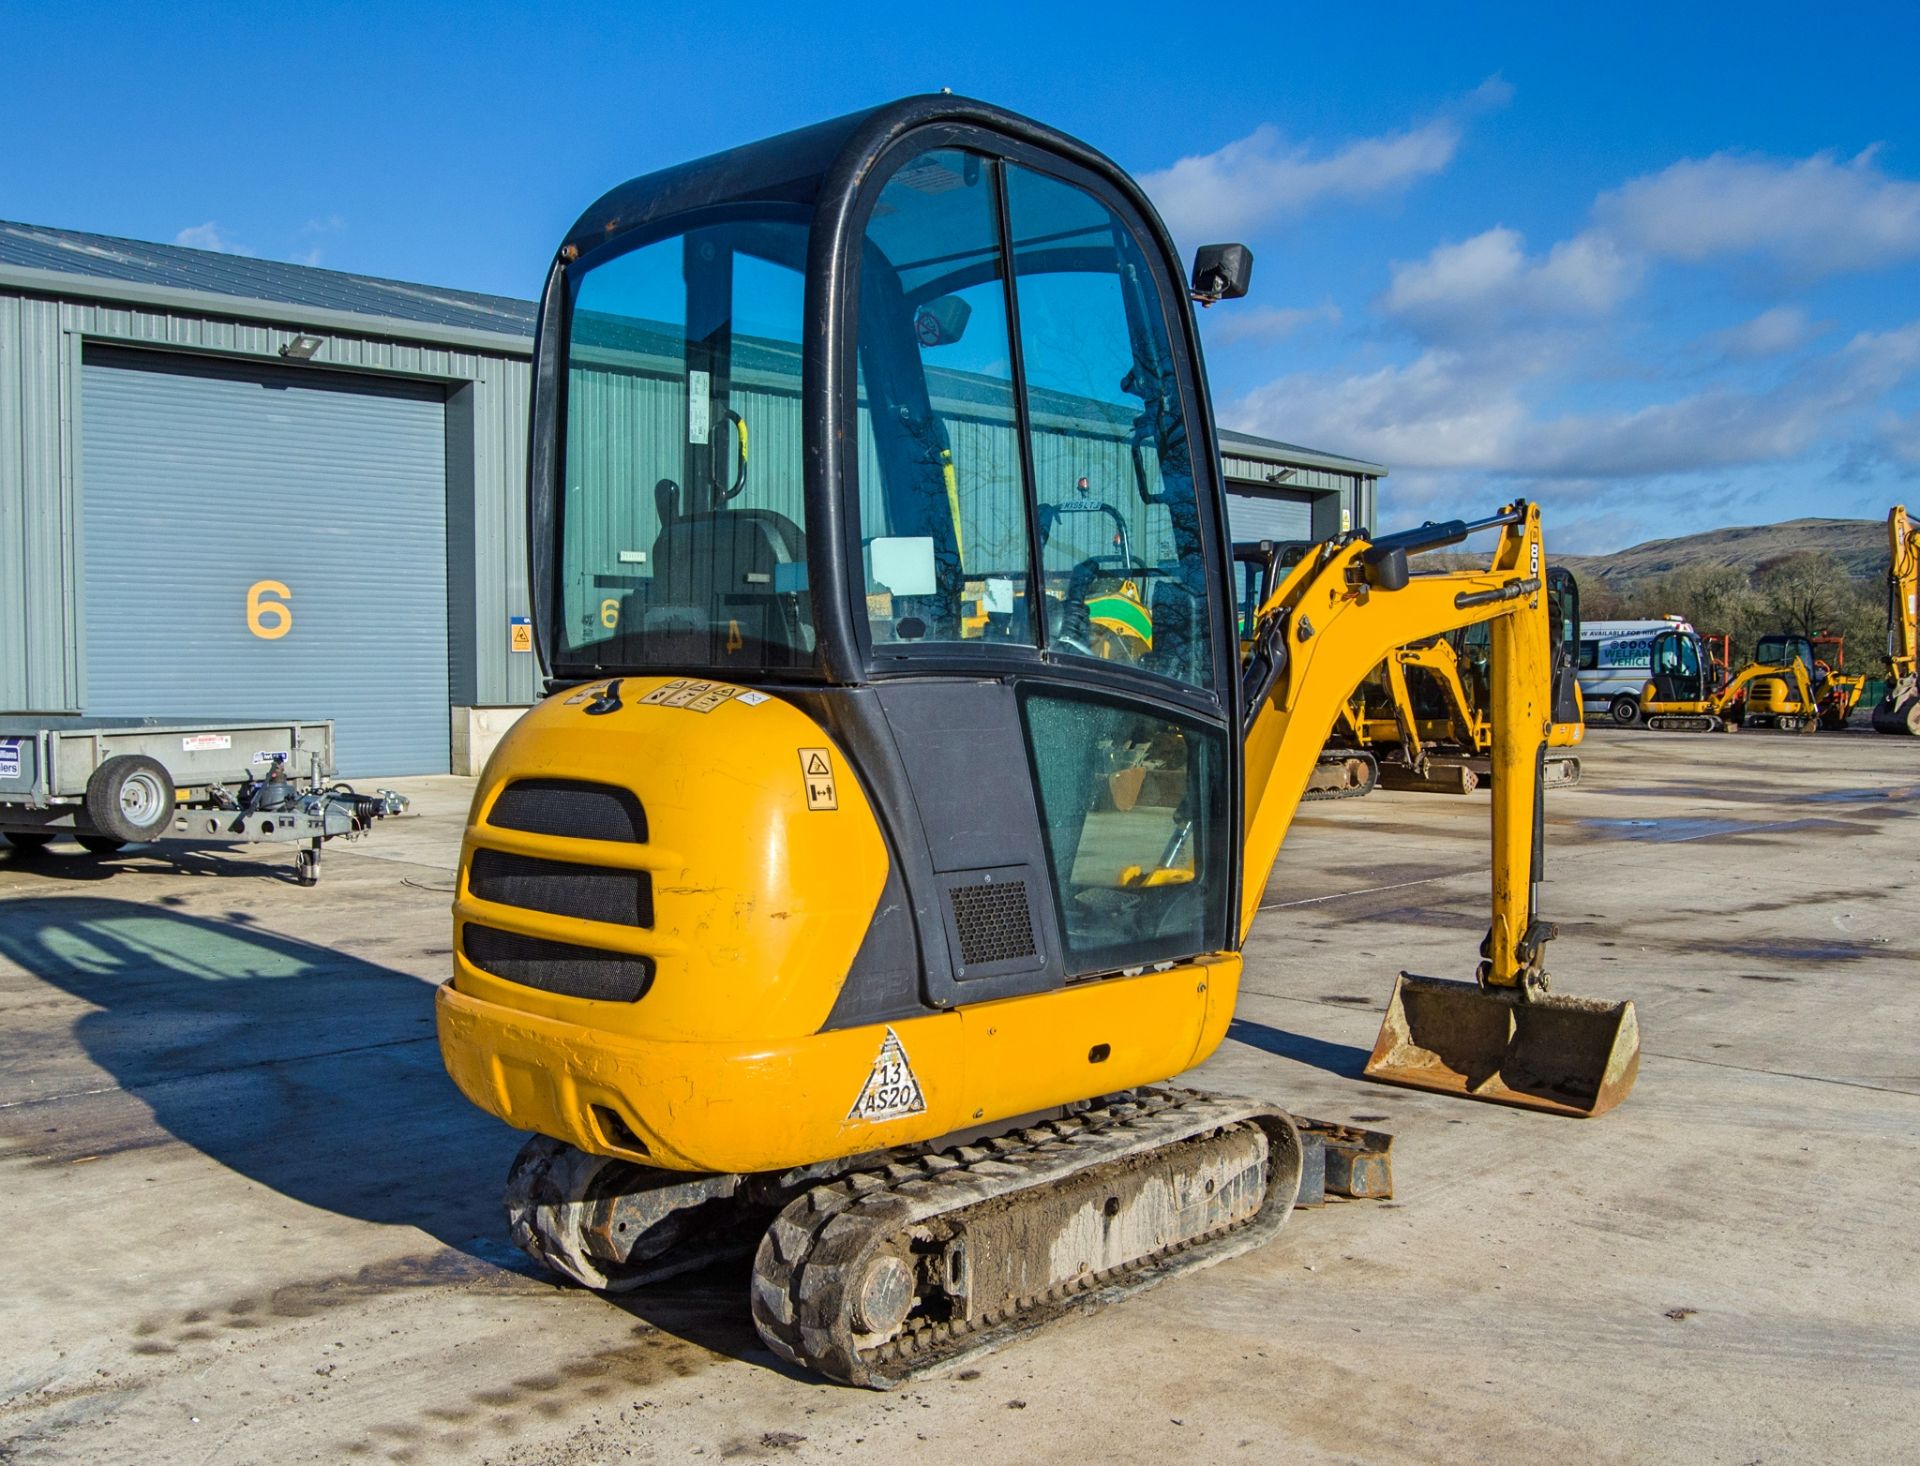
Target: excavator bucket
[1571, 1056]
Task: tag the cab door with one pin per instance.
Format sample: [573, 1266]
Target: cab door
[1563, 603]
[1675, 668]
[1040, 552]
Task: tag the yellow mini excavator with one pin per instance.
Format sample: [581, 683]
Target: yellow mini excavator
[1784, 687]
[1899, 710]
[1422, 716]
[842, 902]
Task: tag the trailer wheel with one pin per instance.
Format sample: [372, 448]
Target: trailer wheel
[130, 798]
[1625, 710]
[99, 844]
[27, 842]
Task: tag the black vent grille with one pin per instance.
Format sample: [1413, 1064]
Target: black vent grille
[557, 967]
[992, 922]
[572, 808]
[590, 892]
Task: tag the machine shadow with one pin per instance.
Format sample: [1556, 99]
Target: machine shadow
[1342, 1059]
[67, 864]
[307, 1070]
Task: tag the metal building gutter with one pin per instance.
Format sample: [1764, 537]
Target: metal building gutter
[1235, 445]
[319, 319]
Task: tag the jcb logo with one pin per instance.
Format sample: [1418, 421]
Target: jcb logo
[269, 617]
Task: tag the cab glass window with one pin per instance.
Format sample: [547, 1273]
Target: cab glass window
[957, 508]
[682, 516]
[943, 512]
[1781, 651]
[1675, 656]
[1134, 810]
[1119, 522]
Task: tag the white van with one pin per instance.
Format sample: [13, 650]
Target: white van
[1615, 661]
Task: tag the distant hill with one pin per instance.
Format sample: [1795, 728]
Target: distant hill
[1860, 545]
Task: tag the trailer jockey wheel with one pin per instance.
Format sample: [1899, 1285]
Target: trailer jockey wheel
[130, 798]
[306, 865]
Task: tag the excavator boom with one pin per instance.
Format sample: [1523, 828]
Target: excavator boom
[1504, 1037]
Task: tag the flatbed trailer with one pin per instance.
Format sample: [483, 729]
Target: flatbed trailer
[110, 782]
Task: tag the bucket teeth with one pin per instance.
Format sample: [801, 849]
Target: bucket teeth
[1566, 1055]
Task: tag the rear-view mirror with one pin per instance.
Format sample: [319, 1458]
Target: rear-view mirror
[941, 322]
[1221, 272]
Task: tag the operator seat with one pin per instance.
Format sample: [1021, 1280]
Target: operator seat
[718, 574]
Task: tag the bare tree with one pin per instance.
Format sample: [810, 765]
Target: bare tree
[1804, 591]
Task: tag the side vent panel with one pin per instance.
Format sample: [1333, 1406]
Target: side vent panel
[989, 916]
[572, 808]
[557, 967]
[562, 888]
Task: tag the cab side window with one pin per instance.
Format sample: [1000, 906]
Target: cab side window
[1025, 469]
[1113, 481]
[943, 510]
[1134, 810]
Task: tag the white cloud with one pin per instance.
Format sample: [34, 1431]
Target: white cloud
[1232, 191]
[1486, 281]
[1447, 410]
[208, 236]
[1817, 214]
[1438, 411]
[1230, 323]
[1901, 436]
[1770, 333]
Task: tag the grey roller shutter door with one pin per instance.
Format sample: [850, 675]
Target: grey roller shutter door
[200, 480]
[1269, 516]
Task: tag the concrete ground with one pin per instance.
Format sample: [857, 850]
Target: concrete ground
[247, 1218]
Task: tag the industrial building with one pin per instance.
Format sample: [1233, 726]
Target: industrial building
[233, 487]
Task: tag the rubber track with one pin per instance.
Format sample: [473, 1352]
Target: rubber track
[1373, 783]
[806, 1257]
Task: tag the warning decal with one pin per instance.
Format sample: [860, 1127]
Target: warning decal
[816, 770]
[891, 1090]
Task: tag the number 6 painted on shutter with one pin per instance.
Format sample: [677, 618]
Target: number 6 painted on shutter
[269, 619]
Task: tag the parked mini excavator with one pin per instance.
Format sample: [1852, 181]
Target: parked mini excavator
[1784, 687]
[840, 902]
[1899, 710]
[1423, 716]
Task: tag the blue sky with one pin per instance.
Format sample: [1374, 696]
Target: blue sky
[1661, 272]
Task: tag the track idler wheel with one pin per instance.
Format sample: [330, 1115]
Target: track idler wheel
[615, 1225]
[550, 1195]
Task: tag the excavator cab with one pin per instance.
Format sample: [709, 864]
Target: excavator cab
[1677, 670]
